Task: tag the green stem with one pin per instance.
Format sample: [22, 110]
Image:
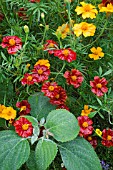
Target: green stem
[61, 69]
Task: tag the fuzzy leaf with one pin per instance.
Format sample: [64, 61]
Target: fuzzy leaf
[40, 106]
[79, 154]
[62, 124]
[45, 153]
[14, 150]
[31, 162]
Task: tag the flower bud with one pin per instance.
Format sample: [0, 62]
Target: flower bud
[42, 15]
[26, 29]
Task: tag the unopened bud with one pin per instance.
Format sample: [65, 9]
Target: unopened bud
[26, 29]
[42, 15]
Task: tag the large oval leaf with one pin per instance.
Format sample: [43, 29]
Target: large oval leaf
[40, 105]
[79, 154]
[14, 150]
[62, 124]
[45, 153]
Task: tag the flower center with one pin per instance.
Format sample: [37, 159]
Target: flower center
[85, 124]
[99, 85]
[23, 108]
[9, 113]
[29, 78]
[109, 137]
[65, 52]
[51, 88]
[87, 8]
[12, 42]
[74, 78]
[84, 27]
[89, 138]
[51, 45]
[57, 96]
[25, 126]
[40, 71]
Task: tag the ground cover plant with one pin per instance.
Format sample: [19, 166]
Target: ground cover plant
[56, 93]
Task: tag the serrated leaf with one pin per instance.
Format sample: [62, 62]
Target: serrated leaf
[40, 106]
[62, 124]
[45, 153]
[14, 150]
[79, 155]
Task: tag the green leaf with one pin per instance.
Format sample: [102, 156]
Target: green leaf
[40, 106]
[79, 154]
[45, 153]
[14, 150]
[31, 162]
[2, 122]
[100, 70]
[3, 56]
[99, 101]
[62, 124]
[107, 72]
[92, 114]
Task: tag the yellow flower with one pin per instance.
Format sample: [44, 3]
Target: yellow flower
[84, 28]
[28, 65]
[109, 8]
[63, 31]
[43, 62]
[9, 113]
[86, 111]
[2, 107]
[97, 52]
[87, 10]
[98, 132]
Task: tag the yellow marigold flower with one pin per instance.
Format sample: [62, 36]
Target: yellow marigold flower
[84, 28]
[63, 31]
[86, 111]
[43, 62]
[2, 107]
[109, 8]
[87, 10]
[98, 132]
[9, 113]
[97, 52]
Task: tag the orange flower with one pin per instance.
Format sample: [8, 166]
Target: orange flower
[96, 53]
[87, 10]
[2, 107]
[9, 113]
[86, 111]
[108, 8]
[84, 28]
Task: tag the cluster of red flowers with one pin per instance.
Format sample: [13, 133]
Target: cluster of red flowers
[56, 94]
[107, 137]
[64, 54]
[40, 73]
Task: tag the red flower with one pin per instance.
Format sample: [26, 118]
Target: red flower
[59, 96]
[50, 46]
[99, 86]
[28, 79]
[1, 16]
[85, 124]
[49, 88]
[23, 127]
[63, 106]
[41, 72]
[12, 43]
[24, 107]
[65, 54]
[107, 137]
[105, 2]
[92, 140]
[22, 13]
[74, 77]
[33, 1]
